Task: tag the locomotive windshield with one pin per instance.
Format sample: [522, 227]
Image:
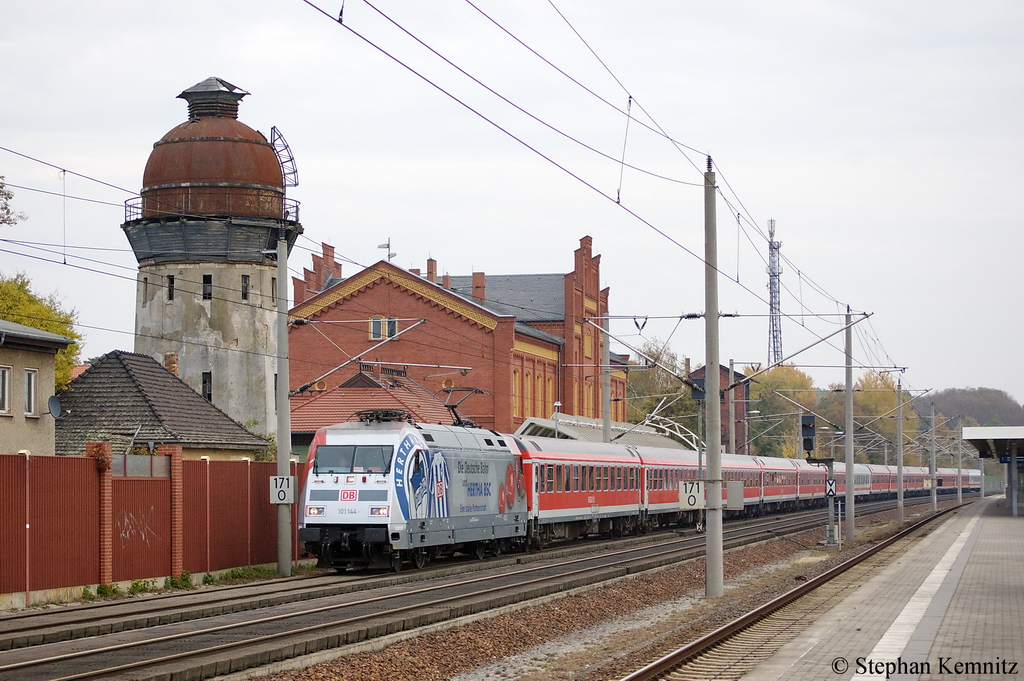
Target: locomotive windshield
[353, 459]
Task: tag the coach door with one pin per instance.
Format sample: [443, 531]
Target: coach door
[535, 490]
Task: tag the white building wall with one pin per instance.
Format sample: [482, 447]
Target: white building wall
[235, 340]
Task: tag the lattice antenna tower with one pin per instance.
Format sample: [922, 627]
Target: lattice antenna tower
[774, 304]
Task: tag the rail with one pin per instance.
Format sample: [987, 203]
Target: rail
[681, 656]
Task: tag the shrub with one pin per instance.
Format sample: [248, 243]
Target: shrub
[87, 594]
[107, 590]
[140, 586]
[182, 581]
[248, 573]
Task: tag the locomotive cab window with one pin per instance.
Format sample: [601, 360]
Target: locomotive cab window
[354, 459]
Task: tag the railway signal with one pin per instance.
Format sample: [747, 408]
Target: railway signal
[807, 431]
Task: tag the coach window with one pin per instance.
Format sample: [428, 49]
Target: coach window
[551, 477]
[558, 478]
[575, 477]
[568, 477]
[590, 478]
[540, 476]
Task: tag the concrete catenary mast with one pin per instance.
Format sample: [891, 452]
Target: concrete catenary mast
[205, 232]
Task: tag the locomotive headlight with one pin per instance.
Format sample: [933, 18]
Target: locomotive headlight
[380, 511]
[315, 510]
[350, 478]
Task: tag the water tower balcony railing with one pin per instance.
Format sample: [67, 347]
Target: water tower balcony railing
[133, 210]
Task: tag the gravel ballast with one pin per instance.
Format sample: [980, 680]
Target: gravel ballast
[604, 632]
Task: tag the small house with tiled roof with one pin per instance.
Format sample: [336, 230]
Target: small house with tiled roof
[133, 402]
[525, 341]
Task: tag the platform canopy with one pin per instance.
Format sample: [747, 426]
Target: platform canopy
[994, 441]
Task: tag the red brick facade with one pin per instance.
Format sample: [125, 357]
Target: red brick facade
[522, 372]
[739, 397]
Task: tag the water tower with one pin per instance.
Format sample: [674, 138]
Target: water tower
[204, 232]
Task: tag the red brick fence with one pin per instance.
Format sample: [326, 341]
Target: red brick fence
[71, 521]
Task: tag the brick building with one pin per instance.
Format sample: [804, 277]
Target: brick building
[739, 398]
[521, 338]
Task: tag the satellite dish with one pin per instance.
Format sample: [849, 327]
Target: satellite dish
[53, 404]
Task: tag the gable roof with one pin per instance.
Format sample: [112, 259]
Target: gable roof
[310, 411]
[465, 307]
[126, 396]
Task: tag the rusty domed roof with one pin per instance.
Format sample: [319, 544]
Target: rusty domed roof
[213, 164]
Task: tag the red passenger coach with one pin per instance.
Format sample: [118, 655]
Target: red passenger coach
[579, 488]
[779, 482]
[663, 470]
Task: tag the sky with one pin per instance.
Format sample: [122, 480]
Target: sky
[884, 139]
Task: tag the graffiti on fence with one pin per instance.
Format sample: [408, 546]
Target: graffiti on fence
[130, 527]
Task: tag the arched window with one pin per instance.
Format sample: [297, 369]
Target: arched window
[516, 411]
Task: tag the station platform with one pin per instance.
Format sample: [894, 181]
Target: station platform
[952, 607]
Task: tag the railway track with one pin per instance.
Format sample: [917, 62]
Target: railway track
[202, 634]
[740, 646]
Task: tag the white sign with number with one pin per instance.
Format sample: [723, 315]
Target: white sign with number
[282, 489]
[691, 495]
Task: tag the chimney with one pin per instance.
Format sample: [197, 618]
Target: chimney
[478, 286]
[446, 281]
[431, 270]
[212, 98]
[416, 271]
[171, 363]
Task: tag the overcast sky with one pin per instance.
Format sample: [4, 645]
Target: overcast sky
[883, 138]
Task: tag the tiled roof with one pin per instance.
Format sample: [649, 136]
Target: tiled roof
[126, 395]
[311, 411]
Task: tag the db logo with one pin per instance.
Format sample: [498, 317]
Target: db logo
[349, 495]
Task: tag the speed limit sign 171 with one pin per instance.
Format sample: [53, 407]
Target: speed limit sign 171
[282, 489]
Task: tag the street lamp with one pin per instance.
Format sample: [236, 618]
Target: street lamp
[557, 405]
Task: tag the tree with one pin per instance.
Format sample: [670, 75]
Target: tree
[874, 406]
[651, 389]
[774, 431]
[987, 406]
[7, 215]
[19, 304]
